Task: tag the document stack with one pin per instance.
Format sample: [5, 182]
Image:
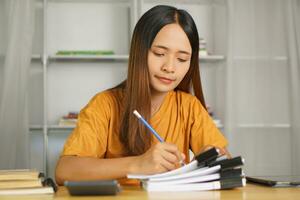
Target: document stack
[206, 172]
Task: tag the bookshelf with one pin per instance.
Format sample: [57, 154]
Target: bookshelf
[64, 83]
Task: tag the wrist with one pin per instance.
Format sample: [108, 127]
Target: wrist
[133, 167]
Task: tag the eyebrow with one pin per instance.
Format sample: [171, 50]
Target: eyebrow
[166, 48]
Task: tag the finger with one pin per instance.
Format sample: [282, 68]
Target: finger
[182, 161]
[159, 168]
[225, 152]
[165, 158]
[172, 148]
[183, 156]
[167, 165]
[221, 151]
[170, 157]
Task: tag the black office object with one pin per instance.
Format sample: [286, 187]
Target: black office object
[49, 182]
[231, 173]
[207, 157]
[232, 183]
[275, 181]
[105, 187]
[228, 163]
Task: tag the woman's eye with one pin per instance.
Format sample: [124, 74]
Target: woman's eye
[158, 54]
[181, 60]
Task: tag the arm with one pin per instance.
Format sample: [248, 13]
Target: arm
[159, 158]
[204, 133]
[88, 168]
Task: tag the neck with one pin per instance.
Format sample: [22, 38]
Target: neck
[156, 101]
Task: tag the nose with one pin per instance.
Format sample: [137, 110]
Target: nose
[169, 65]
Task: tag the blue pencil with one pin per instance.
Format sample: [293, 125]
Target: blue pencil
[147, 125]
[137, 114]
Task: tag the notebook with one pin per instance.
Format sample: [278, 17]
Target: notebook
[25, 181]
[27, 191]
[19, 174]
[206, 172]
[276, 181]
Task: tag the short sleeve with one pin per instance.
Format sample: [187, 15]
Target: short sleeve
[203, 130]
[89, 138]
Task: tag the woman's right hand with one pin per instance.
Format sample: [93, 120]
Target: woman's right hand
[160, 158]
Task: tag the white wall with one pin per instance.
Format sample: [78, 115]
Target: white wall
[258, 125]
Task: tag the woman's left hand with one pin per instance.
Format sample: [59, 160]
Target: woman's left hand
[222, 151]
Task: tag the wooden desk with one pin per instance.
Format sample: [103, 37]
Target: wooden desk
[249, 192]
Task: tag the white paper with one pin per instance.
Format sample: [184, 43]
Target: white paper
[184, 169]
[215, 185]
[198, 172]
[194, 179]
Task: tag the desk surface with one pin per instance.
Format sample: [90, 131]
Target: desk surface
[131, 192]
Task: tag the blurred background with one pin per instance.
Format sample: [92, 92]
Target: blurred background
[57, 54]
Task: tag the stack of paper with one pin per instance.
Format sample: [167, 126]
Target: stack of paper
[206, 172]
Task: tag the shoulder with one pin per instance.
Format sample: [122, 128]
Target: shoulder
[186, 99]
[107, 96]
[105, 100]
[188, 103]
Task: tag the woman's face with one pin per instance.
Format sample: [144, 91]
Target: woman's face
[169, 58]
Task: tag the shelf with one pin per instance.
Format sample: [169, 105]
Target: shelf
[120, 57]
[36, 57]
[201, 2]
[89, 57]
[212, 58]
[57, 127]
[33, 57]
[264, 126]
[92, 1]
[35, 127]
[51, 127]
[261, 58]
[125, 57]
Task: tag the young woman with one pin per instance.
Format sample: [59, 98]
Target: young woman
[109, 141]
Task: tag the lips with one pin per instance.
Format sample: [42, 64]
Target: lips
[165, 80]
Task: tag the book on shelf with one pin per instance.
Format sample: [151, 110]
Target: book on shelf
[206, 172]
[217, 122]
[84, 52]
[25, 181]
[69, 120]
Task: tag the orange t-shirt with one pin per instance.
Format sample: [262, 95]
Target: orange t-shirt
[181, 120]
